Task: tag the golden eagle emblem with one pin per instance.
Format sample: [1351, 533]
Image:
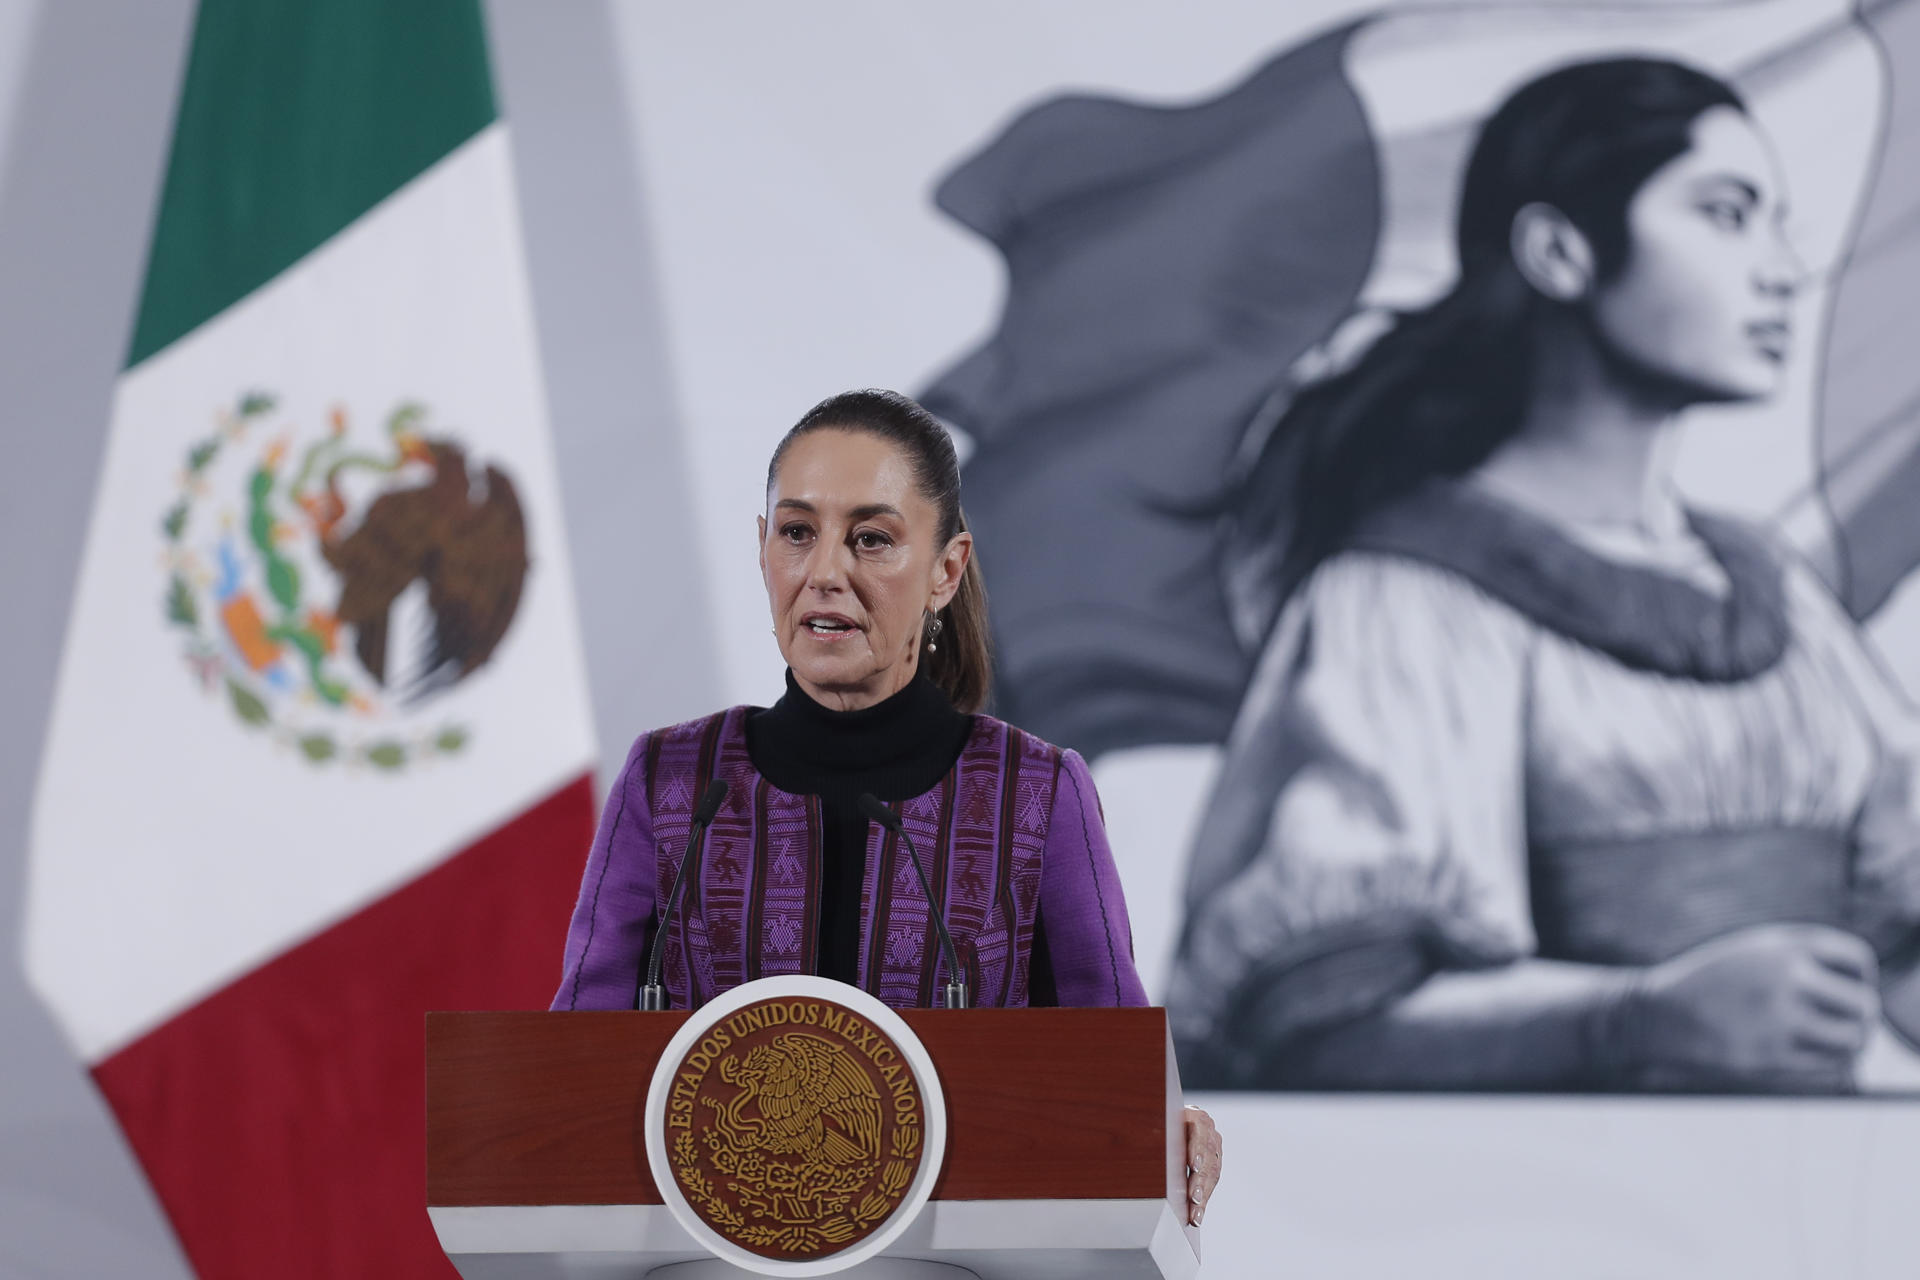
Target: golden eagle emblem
[795, 1129]
[813, 1102]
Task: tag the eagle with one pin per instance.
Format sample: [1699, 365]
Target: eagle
[814, 1102]
[464, 543]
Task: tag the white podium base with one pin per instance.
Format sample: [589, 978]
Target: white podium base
[881, 1268]
[951, 1240]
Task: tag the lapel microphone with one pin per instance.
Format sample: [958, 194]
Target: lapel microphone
[954, 994]
[653, 996]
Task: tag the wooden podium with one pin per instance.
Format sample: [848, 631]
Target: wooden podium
[1064, 1149]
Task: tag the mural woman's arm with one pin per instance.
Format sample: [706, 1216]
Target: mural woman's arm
[1885, 875]
[1772, 1008]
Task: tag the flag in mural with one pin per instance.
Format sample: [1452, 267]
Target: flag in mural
[1489, 425]
[320, 751]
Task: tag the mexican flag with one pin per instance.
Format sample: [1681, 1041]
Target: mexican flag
[320, 753]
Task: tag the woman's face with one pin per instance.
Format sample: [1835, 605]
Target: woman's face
[849, 552]
[1704, 303]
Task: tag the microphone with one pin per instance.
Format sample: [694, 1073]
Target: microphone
[653, 995]
[954, 994]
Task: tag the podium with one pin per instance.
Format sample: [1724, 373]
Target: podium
[1064, 1149]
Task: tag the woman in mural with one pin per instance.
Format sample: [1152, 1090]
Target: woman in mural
[1543, 779]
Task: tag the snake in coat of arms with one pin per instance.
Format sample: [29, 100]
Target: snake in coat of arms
[331, 588]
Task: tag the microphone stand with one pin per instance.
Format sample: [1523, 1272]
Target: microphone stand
[653, 996]
[953, 995]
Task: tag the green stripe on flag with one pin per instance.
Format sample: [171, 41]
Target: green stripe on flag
[296, 117]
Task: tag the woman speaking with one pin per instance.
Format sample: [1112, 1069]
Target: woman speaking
[879, 611]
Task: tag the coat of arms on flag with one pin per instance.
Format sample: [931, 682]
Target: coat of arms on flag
[327, 586]
[320, 751]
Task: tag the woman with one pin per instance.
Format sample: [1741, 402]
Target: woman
[879, 611]
[1543, 780]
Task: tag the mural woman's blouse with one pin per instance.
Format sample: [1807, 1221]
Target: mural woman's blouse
[1472, 740]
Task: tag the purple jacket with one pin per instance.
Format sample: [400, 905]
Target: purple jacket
[1014, 829]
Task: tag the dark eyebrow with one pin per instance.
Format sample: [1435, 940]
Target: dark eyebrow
[1747, 189]
[867, 512]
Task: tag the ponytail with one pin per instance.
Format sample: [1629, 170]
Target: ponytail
[1433, 397]
[959, 658]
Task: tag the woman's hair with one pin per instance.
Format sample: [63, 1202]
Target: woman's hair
[1446, 385]
[960, 660]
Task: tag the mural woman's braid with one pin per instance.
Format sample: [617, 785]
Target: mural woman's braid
[954, 646]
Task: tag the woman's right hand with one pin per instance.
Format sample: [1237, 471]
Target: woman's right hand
[1787, 1006]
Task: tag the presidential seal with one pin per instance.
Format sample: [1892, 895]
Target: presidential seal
[795, 1126]
[329, 585]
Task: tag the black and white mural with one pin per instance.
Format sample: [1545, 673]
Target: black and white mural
[1498, 428]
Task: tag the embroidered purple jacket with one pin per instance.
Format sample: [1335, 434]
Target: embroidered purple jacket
[1013, 830]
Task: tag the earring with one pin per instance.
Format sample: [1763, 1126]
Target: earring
[933, 633]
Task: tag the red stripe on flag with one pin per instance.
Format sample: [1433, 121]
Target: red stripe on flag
[282, 1120]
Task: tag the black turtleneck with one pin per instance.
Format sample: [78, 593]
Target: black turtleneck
[897, 749]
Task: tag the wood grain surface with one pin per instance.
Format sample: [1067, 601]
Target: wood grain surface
[548, 1108]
